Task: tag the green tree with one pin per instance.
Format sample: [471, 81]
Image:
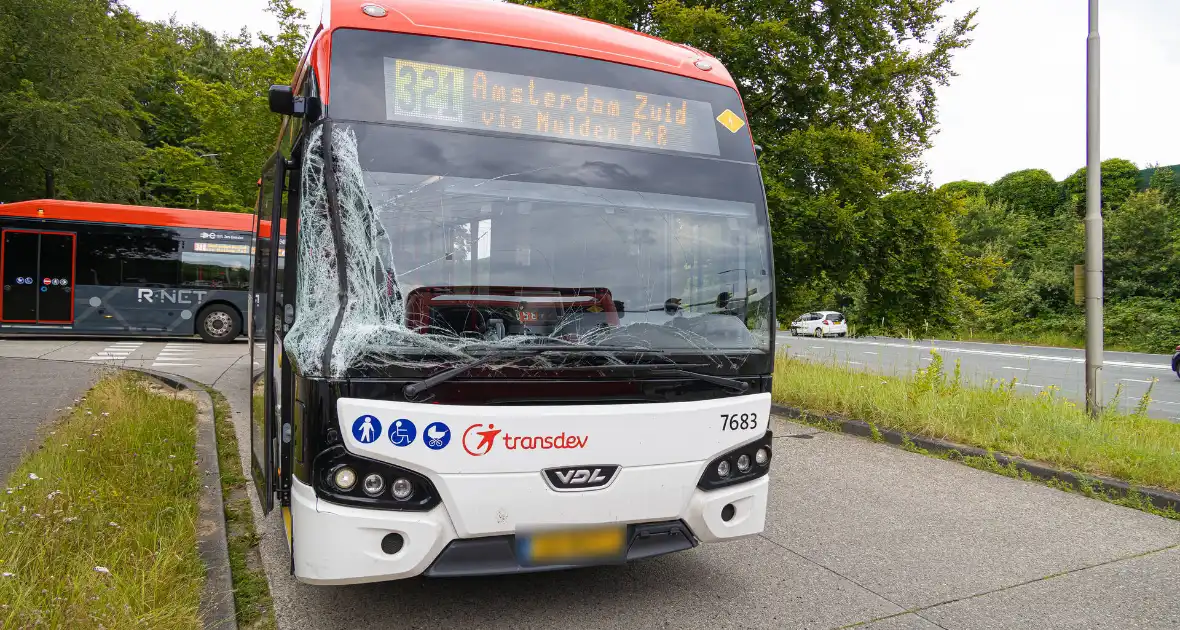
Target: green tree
[1163, 179]
[1120, 178]
[209, 122]
[1033, 190]
[964, 187]
[66, 107]
[1141, 250]
[915, 273]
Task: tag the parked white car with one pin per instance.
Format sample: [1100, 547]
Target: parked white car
[820, 324]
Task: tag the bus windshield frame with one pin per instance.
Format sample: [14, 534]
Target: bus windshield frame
[441, 221]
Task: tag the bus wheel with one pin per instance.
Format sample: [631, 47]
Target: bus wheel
[219, 324]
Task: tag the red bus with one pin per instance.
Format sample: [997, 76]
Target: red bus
[71, 267]
[529, 322]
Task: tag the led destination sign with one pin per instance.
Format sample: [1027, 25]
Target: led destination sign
[512, 103]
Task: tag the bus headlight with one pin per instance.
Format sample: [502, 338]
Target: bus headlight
[737, 466]
[402, 489]
[374, 484]
[344, 478]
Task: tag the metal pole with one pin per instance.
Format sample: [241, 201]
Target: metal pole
[1093, 222]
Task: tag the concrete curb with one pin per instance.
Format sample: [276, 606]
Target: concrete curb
[217, 598]
[1161, 499]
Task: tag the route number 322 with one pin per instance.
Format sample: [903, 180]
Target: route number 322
[739, 421]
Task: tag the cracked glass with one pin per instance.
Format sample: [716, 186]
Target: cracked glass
[461, 242]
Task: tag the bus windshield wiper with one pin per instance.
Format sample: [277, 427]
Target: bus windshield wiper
[674, 369]
[671, 368]
[412, 390]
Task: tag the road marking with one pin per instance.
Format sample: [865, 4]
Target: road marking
[118, 351]
[1135, 380]
[855, 363]
[817, 347]
[1032, 386]
[1011, 355]
[1013, 368]
[176, 355]
[1165, 402]
[867, 352]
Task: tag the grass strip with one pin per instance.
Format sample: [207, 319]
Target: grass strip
[1046, 427]
[255, 610]
[98, 526]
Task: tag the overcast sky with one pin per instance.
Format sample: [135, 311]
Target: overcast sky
[1019, 99]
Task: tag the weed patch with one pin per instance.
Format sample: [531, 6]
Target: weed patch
[98, 527]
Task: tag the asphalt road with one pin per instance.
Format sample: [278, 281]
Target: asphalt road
[190, 358]
[1034, 368]
[33, 393]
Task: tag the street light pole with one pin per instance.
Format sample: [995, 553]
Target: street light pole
[1093, 222]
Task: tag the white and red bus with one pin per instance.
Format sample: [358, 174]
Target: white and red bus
[527, 319]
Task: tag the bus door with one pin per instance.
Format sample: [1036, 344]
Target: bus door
[37, 269]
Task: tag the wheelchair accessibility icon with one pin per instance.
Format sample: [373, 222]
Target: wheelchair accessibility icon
[402, 432]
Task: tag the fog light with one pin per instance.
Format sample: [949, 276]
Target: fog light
[344, 478]
[723, 468]
[744, 463]
[373, 485]
[761, 456]
[392, 543]
[402, 489]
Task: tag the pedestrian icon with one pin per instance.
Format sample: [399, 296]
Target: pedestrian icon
[402, 432]
[438, 435]
[366, 429]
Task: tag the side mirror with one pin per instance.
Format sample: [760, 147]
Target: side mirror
[619, 307]
[757, 150]
[283, 101]
[723, 299]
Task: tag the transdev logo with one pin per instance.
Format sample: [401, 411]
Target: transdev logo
[478, 440]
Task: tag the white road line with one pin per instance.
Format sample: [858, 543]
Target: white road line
[1012, 355]
[855, 363]
[1032, 386]
[817, 347]
[1165, 402]
[1135, 380]
[1005, 367]
[867, 352]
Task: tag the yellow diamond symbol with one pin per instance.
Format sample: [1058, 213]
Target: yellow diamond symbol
[731, 121]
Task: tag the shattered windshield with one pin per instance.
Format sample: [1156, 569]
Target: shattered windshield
[459, 242]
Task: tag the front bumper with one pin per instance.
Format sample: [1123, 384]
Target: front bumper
[335, 544]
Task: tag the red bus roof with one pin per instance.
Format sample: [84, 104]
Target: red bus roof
[132, 215]
[514, 25]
